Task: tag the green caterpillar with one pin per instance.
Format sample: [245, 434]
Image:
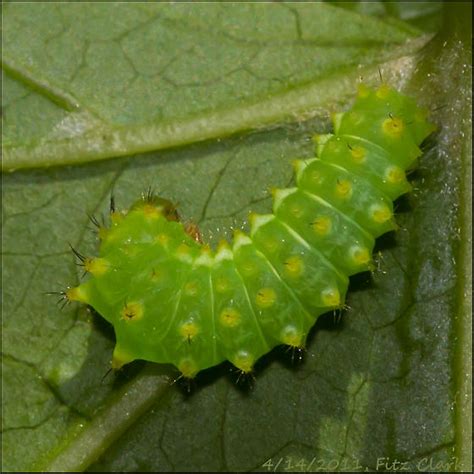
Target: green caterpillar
[173, 300]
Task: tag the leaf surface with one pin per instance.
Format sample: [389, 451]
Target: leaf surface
[388, 382]
[106, 80]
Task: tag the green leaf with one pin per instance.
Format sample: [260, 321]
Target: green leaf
[390, 381]
[93, 81]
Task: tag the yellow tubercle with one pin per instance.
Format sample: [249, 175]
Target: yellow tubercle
[322, 225]
[360, 255]
[78, 293]
[294, 266]
[331, 297]
[132, 312]
[230, 317]
[188, 368]
[343, 188]
[244, 361]
[358, 153]
[393, 127]
[394, 175]
[380, 213]
[291, 336]
[96, 266]
[151, 211]
[265, 298]
[189, 330]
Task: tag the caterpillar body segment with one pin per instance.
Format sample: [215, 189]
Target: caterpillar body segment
[324, 227]
[172, 299]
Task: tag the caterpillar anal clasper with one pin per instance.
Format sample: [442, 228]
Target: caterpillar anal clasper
[174, 300]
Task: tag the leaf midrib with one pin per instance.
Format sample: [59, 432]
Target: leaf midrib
[298, 103]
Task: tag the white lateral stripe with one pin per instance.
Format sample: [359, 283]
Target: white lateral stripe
[315, 250]
[204, 259]
[360, 178]
[213, 316]
[260, 220]
[302, 164]
[252, 310]
[280, 195]
[338, 167]
[223, 254]
[368, 142]
[241, 240]
[283, 283]
[319, 199]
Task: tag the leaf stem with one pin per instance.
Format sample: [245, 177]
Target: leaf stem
[458, 31]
